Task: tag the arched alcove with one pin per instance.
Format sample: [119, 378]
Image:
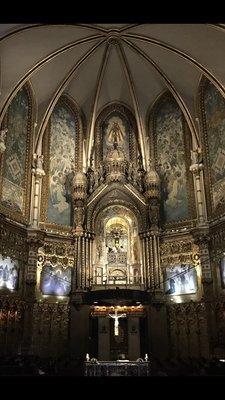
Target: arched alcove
[117, 251]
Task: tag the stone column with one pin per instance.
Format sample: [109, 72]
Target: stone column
[35, 239]
[103, 339]
[38, 173]
[144, 263]
[133, 338]
[82, 268]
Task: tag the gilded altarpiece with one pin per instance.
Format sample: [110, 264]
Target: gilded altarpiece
[15, 165]
[171, 144]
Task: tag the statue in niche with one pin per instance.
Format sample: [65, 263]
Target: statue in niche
[135, 176]
[130, 171]
[2, 140]
[196, 156]
[139, 162]
[91, 179]
[38, 161]
[115, 134]
[100, 174]
[96, 178]
[79, 215]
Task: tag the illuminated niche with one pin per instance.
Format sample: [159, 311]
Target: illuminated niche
[55, 280]
[9, 273]
[180, 279]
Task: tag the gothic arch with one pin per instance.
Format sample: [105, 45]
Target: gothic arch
[116, 194]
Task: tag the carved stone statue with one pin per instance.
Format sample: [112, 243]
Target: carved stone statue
[154, 212]
[2, 140]
[91, 180]
[196, 156]
[101, 174]
[38, 161]
[197, 161]
[130, 171]
[79, 215]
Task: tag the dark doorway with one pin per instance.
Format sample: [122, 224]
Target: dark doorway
[93, 337]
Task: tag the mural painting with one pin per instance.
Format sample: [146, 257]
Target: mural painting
[9, 273]
[215, 120]
[55, 280]
[180, 279]
[171, 161]
[13, 185]
[62, 154]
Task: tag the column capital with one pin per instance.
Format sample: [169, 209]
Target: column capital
[35, 237]
[201, 235]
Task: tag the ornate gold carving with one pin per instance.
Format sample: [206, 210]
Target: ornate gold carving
[188, 330]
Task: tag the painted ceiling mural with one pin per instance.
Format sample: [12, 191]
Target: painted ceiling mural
[13, 185]
[215, 119]
[171, 161]
[62, 154]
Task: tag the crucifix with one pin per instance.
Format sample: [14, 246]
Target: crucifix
[116, 321]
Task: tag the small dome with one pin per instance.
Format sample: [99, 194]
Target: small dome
[79, 179]
[152, 177]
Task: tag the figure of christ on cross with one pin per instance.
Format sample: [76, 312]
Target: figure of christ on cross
[116, 321]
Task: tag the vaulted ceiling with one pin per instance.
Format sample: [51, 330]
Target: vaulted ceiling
[101, 63]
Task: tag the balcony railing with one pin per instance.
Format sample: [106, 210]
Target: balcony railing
[117, 368]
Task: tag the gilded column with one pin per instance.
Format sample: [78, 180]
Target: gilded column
[35, 240]
[148, 266]
[151, 270]
[201, 237]
[197, 170]
[144, 260]
[38, 173]
[152, 193]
